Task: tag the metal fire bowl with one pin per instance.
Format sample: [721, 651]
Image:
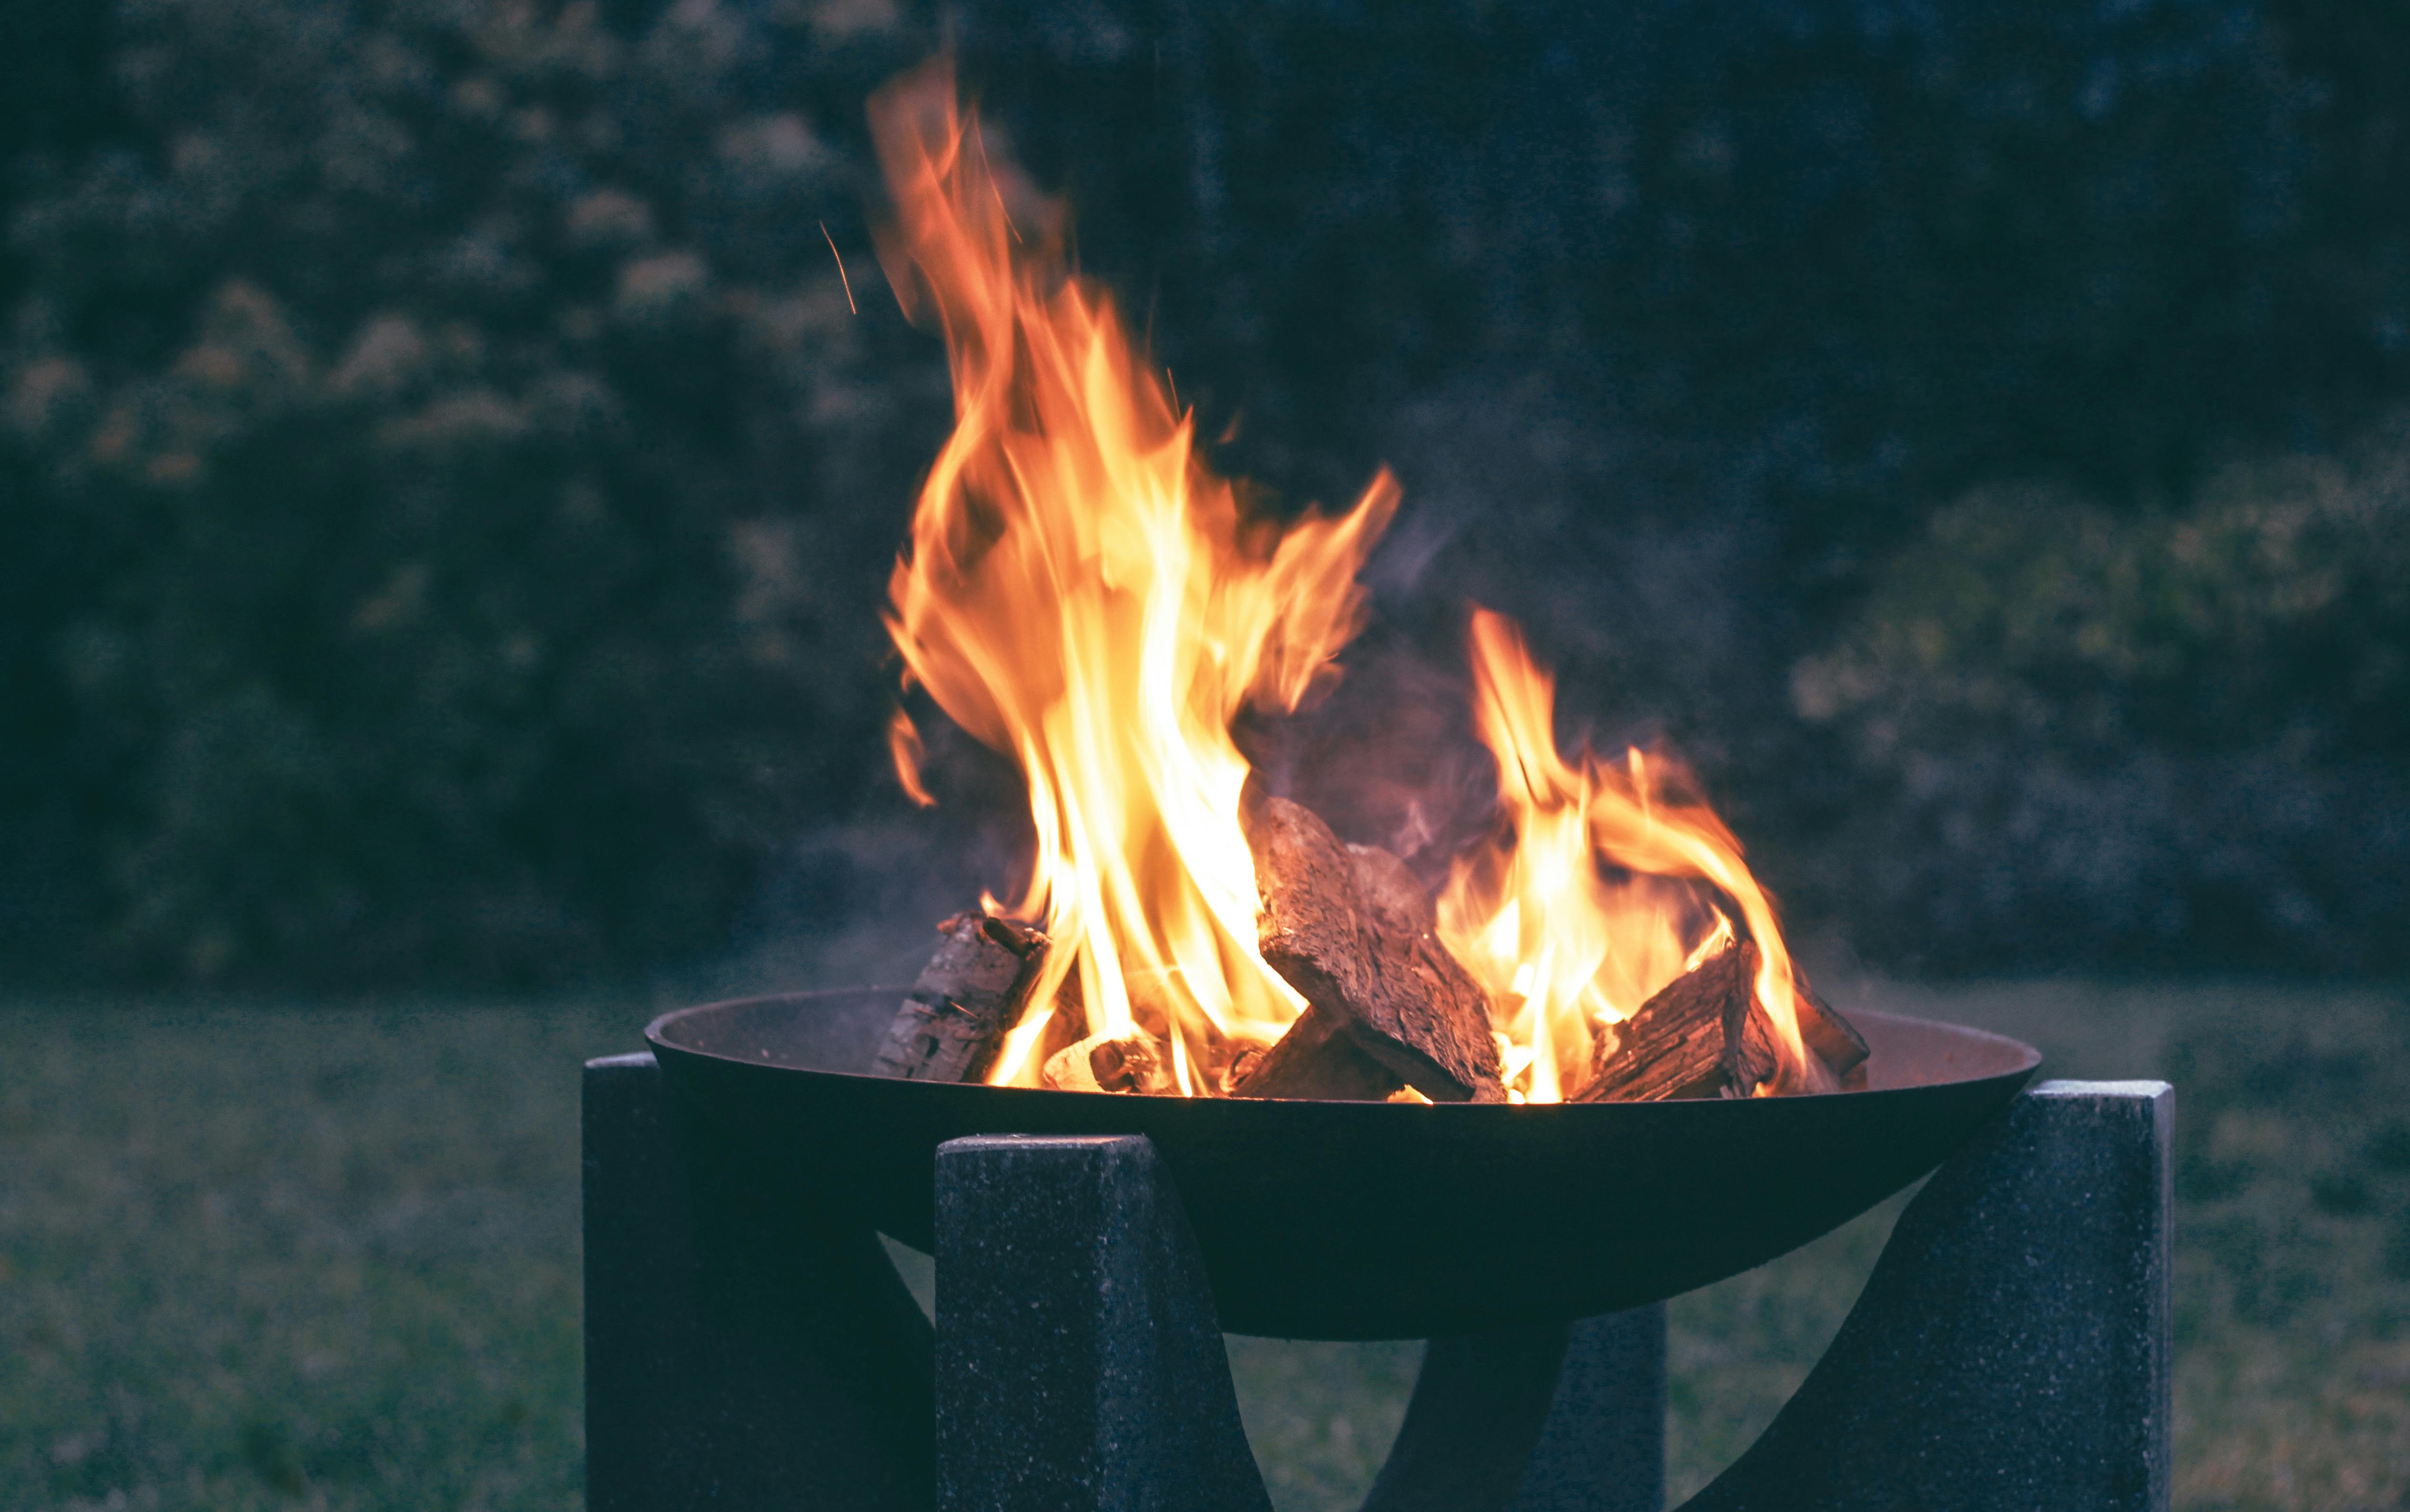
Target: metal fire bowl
[1361, 1220]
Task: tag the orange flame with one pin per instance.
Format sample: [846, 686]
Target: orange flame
[1565, 948]
[1082, 593]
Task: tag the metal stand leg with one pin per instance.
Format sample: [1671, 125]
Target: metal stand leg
[2012, 1349]
[1548, 1418]
[790, 1373]
[1079, 1367]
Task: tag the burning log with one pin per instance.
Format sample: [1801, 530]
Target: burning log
[1704, 1035]
[1317, 1060]
[1391, 894]
[1674, 1047]
[973, 991]
[1135, 1062]
[1833, 1040]
[1389, 993]
[1837, 1052]
[1750, 1059]
[1221, 1062]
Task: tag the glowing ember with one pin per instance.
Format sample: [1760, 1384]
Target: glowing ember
[1082, 593]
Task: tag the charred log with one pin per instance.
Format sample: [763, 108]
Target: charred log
[969, 995]
[1392, 897]
[1316, 1061]
[1403, 999]
[1705, 1035]
[1751, 1058]
[1674, 1047]
[1835, 1041]
[1219, 1062]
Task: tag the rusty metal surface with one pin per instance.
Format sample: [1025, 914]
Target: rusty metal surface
[1365, 1220]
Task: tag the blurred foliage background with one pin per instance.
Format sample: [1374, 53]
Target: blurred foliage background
[447, 494]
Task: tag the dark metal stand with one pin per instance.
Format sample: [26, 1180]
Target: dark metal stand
[2012, 1348]
[715, 1378]
[1079, 1363]
[2010, 1352]
[1540, 1419]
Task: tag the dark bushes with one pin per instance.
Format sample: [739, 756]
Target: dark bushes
[419, 426]
[2173, 737]
[447, 500]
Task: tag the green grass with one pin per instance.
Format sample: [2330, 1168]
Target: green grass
[254, 1256]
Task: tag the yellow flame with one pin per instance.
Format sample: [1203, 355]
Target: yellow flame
[1082, 593]
[1563, 945]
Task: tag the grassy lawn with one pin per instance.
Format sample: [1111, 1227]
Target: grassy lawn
[269, 1256]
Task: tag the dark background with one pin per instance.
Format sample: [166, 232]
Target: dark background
[447, 501]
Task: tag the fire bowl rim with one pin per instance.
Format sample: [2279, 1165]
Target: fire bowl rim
[2028, 1060]
[1345, 1220]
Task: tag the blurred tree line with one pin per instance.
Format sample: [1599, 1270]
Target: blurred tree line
[447, 493]
[428, 555]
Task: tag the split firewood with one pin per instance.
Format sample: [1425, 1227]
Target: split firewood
[1398, 995]
[972, 992]
[1392, 895]
[1317, 1061]
[1751, 1058]
[1134, 1062]
[1837, 1053]
[1674, 1047]
[1835, 1041]
[1704, 1035]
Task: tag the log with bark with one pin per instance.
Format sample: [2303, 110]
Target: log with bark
[1704, 1035]
[1835, 1041]
[1674, 1046]
[1751, 1058]
[1837, 1053]
[1316, 1061]
[973, 991]
[1348, 928]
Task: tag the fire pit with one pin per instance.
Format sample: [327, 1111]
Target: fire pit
[1365, 1220]
[1214, 1066]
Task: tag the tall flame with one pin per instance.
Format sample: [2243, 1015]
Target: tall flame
[1565, 947]
[1082, 593]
